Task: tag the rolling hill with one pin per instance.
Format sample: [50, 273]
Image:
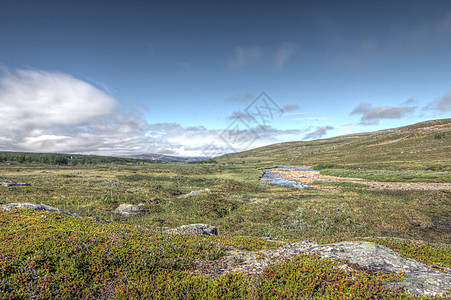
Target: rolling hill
[422, 146]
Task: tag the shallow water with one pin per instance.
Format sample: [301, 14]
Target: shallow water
[273, 178]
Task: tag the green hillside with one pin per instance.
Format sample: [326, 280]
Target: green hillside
[422, 146]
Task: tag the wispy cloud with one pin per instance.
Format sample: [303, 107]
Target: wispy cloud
[283, 54]
[371, 115]
[311, 119]
[243, 98]
[318, 132]
[441, 104]
[290, 108]
[297, 113]
[241, 115]
[243, 56]
[276, 56]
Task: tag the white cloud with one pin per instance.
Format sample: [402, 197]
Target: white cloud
[172, 138]
[54, 112]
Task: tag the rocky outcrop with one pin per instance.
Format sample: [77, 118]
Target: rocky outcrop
[195, 229]
[420, 279]
[129, 209]
[11, 206]
[38, 207]
[371, 256]
[194, 193]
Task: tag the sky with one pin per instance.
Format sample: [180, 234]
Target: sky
[204, 78]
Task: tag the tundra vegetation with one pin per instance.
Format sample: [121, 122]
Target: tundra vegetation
[46, 255]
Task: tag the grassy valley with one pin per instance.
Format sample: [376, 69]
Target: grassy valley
[49, 255]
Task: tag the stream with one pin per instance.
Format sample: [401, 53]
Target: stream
[273, 178]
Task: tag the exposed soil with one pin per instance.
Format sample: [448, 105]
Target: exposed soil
[307, 177]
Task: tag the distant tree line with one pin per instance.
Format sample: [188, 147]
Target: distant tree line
[63, 159]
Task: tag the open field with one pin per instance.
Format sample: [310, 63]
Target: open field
[239, 204]
[415, 222]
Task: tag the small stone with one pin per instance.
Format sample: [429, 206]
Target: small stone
[194, 193]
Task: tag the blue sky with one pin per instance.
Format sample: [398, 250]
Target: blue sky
[202, 78]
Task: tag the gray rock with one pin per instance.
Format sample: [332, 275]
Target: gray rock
[129, 209]
[425, 283]
[370, 256]
[194, 193]
[11, 206]
[38, 207]
[198, 229]
[291, 249]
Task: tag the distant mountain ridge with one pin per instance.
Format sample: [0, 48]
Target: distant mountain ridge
[162, 157]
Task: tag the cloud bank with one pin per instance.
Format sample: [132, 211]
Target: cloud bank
[173, 139]
[45, 111]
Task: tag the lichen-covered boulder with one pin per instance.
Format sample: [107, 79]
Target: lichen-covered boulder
[38, 207]
[11, 206]
[129, 209]
[196, 229]
[370, 256]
